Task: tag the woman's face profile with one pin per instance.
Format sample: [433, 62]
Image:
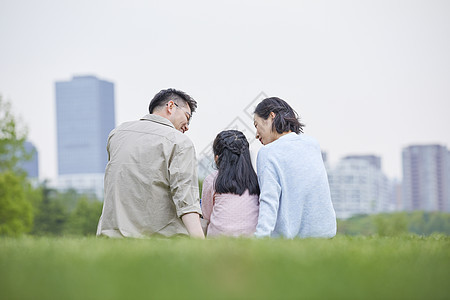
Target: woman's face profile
[264, 132]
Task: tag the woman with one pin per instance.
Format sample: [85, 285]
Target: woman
[230, 195]
[295, 196]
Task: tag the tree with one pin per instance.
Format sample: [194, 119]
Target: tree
[16, 214]
[12, 139]
[84, 219]
[51, 213]
[391, 224]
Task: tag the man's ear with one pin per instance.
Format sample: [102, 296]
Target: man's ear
[169, 107]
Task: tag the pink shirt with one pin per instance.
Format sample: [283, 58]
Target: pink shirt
[228, 214]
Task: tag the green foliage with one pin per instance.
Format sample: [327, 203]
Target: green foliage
[391, 224]
[51, 214]
[357, 225]
[55, 213]
[16, 215]
[345, 267]
[429, 222]
[418, 222]
[200, 187]
[12, 139]
[66, 213]
[16, 211]
[84, 219]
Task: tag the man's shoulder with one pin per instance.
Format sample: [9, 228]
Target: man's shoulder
[158, 128]
[126, 125]
[179, 138]
[122, 126]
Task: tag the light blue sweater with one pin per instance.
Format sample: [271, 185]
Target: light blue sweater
[295, 196]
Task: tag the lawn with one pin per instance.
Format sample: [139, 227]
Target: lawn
[407, 267]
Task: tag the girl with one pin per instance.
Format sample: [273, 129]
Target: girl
[230, 202]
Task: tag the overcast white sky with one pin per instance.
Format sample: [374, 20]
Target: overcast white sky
[367, 77]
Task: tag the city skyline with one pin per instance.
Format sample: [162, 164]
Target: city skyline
[367, 77]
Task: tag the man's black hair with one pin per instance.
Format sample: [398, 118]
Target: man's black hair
[164, 96]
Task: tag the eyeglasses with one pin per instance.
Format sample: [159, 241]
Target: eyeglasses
[188, 115]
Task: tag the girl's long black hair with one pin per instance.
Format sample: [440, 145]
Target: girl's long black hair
[236, 173]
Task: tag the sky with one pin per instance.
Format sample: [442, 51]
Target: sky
[366, 77]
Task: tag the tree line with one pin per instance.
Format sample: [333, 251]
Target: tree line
[398, 223]
[38, 210]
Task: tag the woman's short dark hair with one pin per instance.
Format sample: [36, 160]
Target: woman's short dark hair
[236, 173]
[164, 96]
[286, 119]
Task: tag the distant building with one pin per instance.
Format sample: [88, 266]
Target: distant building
[397, 195]
[358, 186]
[374, 160]
[31, 166]
[426, 178]
[85, 115]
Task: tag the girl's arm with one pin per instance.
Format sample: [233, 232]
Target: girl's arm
[207, 196]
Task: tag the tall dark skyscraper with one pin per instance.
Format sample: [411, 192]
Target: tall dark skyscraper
[85, 116]
[426, 178]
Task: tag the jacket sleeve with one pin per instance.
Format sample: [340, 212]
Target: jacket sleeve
[269, 197]
[184, 180]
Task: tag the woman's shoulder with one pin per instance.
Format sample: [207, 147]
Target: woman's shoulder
[268, 151]
[308, 138]
[295, 141]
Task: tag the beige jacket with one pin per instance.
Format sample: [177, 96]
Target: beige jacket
[150, 180]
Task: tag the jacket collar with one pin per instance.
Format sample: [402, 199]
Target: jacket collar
[157, 119]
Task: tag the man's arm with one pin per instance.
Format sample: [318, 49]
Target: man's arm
[193, 226]
[183, 182]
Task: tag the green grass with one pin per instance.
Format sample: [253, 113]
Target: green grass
[407, 267]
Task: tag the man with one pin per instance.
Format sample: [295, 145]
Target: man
[151, 183]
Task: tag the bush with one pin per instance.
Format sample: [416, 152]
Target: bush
[16, 215]
[84, 219]
[394, 224]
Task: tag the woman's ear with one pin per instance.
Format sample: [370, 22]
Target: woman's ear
[272, 115]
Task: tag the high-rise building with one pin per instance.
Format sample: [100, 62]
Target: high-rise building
[358, 186]
[31, 166]
[85, 116]
[426, 178]
[374, 160]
